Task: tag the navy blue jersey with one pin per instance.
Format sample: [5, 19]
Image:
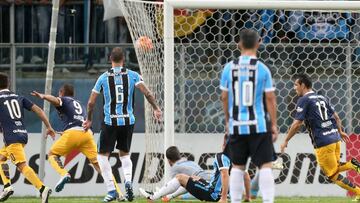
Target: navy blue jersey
[118, 85]
[317, 113]
[247, 80]
[12, 114]
[221, 162]
[72, 113]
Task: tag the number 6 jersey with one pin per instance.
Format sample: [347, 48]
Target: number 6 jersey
[317, 114]
[246, 80]
[11, 116]
[72, 113]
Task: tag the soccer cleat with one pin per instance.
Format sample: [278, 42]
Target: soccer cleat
[111, 196]
[63, 180]
[356, 164]
[145, 193]
[356, 199]
[45, 195]
[277, 164]
[8, 191]
[121, 198]
[129, 191]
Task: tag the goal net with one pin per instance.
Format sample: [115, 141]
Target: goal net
[321, 43]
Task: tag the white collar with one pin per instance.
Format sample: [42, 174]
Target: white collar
[5, 90]
[309, 92]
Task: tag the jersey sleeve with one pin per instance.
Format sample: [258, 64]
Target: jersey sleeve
[301, 109]
[225, 81]
[27, 104]
[223, 161]
[269, 86]
[98, 84]
[138, 79]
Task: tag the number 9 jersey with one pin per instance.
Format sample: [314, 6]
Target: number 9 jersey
[246, 80]
[11, 117]
[317, 114]
[72, 113]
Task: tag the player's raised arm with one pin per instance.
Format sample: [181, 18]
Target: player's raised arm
[41, 114]
[151, 99]
[53, 100]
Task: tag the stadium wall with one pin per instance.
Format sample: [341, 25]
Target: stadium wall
[300, 177]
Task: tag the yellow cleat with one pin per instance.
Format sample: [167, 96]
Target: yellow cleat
[356, 199]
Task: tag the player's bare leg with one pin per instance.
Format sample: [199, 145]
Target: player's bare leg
[56, 163]
[247, 184]
[126, 165]
[31, 176]
[5, 177]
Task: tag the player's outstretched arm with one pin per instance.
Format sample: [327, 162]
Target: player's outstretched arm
[53, 100]
[295, 126]
[224, 184]
[41, 114]
[343, 134]
[90, 110]
[270, 100]
[151, 99]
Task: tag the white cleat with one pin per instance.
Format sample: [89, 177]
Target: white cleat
[145, 193]
[45, 195]
[6, 193]
[278, 164]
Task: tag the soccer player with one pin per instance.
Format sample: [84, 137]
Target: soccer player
[178, 166]
[326, 132]
[213, 191]
[73, 114]
[5, 175]
[15, 135]
[249, 104]
[118, 86]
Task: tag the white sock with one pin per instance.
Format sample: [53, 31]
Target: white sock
[126, 166]
[181, 190]
[267, 185]
[106, 172]
[236, 185]
[168, 188]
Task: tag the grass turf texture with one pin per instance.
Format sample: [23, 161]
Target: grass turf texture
[141, 200]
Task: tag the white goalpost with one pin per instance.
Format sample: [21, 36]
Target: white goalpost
[193, 39]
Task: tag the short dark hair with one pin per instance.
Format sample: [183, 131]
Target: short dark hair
[249, 38]
[173, 153]
[304, 79]
[68, 90]
[4, 81]
[117, 55]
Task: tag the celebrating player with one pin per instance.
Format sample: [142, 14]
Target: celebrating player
[178, 166]
[73, 114]
[118, 85]
[326, 132]
[246, 83]
[15, 135]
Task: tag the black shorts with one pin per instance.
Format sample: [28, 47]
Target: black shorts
[257, 146]
[200, 189]
[111, 135]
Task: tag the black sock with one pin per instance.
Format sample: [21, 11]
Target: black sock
[42, 189]
[7, 185]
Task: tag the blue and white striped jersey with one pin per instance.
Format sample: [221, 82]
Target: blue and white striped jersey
[246, 80]
[117, 86]
[221, 162]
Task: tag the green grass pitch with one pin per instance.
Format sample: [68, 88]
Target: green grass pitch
[141, 200]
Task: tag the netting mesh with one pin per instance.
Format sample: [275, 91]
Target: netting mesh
[320, 43]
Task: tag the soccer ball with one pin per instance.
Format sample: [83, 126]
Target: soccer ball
[144, 43]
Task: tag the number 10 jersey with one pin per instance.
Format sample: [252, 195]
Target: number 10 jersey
[247, 80]
[11, 117]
